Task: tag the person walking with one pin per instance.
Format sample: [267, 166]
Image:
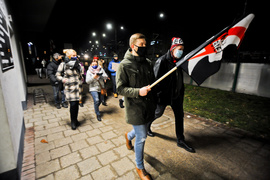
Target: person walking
[57, 85]
[113, 73]
[38, 67]
[95, 77]
[70, 73]
[44, 67]
[170, 91]
[133, 78]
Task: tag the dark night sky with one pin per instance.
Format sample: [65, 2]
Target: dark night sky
[193, 21]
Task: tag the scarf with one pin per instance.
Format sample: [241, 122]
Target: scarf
[94, 71]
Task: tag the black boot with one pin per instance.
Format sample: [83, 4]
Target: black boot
[98, 117]
[77, 123]
[183, 144]
[73, 125]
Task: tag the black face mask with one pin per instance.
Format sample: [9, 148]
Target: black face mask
[141, 50]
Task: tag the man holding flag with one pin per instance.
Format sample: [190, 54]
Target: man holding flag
[171, 90]
[199, 64]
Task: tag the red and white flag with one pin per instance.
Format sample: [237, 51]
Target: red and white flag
[205, 60]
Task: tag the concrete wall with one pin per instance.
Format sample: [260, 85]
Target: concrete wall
[12, 101]
[253, 78]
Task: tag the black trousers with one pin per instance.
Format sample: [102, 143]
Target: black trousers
[74, 109]
[177, 106]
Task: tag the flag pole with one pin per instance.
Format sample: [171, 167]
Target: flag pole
[164, 76]
[190, 55]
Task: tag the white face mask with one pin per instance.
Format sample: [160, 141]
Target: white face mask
[178, 54]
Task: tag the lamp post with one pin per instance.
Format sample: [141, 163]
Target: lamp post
[109, 27]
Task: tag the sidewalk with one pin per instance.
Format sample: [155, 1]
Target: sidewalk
[96, 150]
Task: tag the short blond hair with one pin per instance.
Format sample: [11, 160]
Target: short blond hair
[69, 52]
[134, 38]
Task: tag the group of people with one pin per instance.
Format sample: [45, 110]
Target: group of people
[67, 78]
[143, 105]
[41, 67]
[132, 79]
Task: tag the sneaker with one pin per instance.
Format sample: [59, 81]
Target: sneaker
[58, 106]
[64, 104]
[115, 95]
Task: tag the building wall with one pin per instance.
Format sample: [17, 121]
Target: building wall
[12, 102]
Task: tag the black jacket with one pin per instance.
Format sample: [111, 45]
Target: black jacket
[172, 87]
[52, 69]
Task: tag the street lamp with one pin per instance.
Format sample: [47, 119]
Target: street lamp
[109, 26]
[161, 15]
[104, 35]
[94, 34]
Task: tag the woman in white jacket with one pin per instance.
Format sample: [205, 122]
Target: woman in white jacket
[95, 77]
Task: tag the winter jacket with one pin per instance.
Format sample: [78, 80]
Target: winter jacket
[73, 84]
[133, 73]
[172, 86]
[52, 69]
[113, 73]
[93, 83]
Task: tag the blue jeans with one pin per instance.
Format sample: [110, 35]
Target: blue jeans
[56, 94]
[140, 131]
[97, 101]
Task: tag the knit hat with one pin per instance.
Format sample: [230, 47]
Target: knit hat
[96, 58]
[176, 41]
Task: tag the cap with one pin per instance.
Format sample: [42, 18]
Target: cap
[56, 55]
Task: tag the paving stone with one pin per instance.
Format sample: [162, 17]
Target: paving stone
[58, 129]
[70, 132]
[87, 177]
[54, 136]
[47, 168]
[85, 128]
[78, 145]
[70, 159]
[108, 135]
[78, 137]
[94, 140]
[105, 173]
[89, 165]
[119, 140]
[122, 151]
[106, 128]
[49, 117]
[43, 157]
[41, 147]
[89, 152]
[68, 173]
[61, 151]
[62, 141]
[93, 132]
[105, 145]
[123, 165]
[107, 157]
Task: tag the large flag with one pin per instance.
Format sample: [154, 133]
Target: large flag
[205, 60]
